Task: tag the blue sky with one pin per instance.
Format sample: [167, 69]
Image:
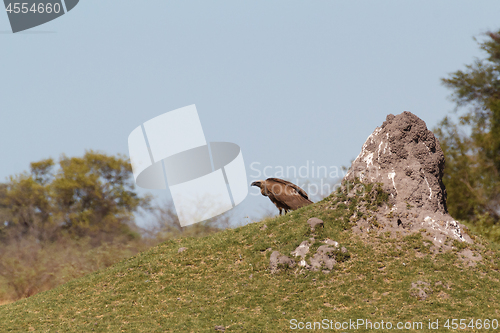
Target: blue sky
[288, 81]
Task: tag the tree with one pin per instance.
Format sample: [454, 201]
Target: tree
[472, 146]
[86, 196]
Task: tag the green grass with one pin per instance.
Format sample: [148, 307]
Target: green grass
[224, 279]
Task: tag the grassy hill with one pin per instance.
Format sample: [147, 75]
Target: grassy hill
[224, 279]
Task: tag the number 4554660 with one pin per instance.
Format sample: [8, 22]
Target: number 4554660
[478, 324]
[17, 8]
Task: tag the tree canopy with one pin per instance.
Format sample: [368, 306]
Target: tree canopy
[82, 196]
[472, 145]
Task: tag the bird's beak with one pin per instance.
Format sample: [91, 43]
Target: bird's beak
[255, 184]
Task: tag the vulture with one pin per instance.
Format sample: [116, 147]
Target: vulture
[285, 195]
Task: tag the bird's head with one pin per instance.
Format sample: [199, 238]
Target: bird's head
[257, 183]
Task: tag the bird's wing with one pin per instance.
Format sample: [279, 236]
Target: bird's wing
[289, 186]
[287, 193]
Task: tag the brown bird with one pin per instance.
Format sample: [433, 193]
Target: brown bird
[285, 195]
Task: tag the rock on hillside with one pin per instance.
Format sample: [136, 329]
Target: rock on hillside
[407, 159]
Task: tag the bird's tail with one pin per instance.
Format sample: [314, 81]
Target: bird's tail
[305, 202]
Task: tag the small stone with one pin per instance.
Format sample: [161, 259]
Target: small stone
[303, 263]
[315, 222]
[220, 328]
[286, 260]
[343, 250]
[301, 250]
[325, 249]
[420, 289]
[264, 227]
[331, 242]
[315, 262]
[330, 262]
[277, 258]
[182, 249]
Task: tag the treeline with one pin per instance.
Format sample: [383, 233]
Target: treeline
[90, 196]
[63, 220]
[472, 145]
